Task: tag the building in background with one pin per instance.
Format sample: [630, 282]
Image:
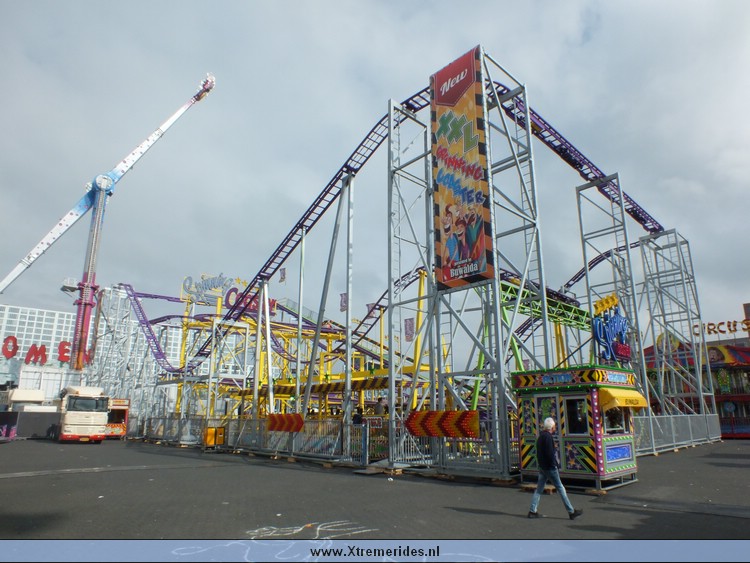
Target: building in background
[35, 352]
[728, 345]
[36, 345]
[34, 340]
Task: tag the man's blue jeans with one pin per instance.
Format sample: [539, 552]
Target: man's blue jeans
[552, 475]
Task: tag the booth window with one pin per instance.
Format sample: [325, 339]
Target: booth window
[575, 415]
[615, 420]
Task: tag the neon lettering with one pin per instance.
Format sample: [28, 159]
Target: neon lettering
[608, 330]
[63, 352]
[36, 355]
[10, 347]
[232, 296]
[557, 378]
[248, 303]
[716, 328]
[617, 377]
[199, 290]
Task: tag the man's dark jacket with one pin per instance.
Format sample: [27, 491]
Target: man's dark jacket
[545, 451]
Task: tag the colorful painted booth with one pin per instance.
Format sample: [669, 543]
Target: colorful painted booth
[592, 406]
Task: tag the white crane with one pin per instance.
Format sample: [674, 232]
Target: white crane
[95, 197]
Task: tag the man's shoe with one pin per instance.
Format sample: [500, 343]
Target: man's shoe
[575, 514]
[533, 515]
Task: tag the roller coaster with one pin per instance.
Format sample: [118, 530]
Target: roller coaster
[363, 152]
[514, 108]
[304, 363]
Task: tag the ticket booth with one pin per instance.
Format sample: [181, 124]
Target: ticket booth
[593, 407]
[117, 418]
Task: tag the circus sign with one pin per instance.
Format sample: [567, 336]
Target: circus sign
[723, 327]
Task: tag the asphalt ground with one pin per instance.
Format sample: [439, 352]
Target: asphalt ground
[130, 490]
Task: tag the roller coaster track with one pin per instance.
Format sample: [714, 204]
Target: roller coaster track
[153, 342]
[333, 328]
[543, 131]
[578, 276]
[594, 261]
[513, 107]
[148, 332]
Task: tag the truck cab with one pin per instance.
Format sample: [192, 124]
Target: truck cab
[83, 415]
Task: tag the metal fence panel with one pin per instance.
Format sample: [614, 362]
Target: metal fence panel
[319, 438]
[368, 443]
[676, 431]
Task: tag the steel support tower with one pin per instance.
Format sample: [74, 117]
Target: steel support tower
[465, 342]
[681, 378]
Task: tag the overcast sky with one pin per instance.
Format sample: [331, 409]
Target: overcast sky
[656, 91]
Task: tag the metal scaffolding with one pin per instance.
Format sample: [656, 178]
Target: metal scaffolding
[441, 346]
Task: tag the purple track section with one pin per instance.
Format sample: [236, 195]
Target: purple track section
[153, 342]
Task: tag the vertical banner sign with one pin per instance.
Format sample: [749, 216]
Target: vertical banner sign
[463, 236]
[344, 302]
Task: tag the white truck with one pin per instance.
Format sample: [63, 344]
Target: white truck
[83, 415]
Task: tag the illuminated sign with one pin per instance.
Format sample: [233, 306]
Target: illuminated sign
[461, 177]
[206, 290]
[250, 303]
[557, 378]
[614, 377]
[37, 354]
[610, 332]
[723, 327]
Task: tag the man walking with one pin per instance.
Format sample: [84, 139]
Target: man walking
[548, 471]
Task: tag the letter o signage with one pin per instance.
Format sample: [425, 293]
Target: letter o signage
[10, 347]
[232, 299]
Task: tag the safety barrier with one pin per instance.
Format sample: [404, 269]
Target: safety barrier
[667, 432]
[331, 440]
[186, 431]
[325, 439]
[319, 438]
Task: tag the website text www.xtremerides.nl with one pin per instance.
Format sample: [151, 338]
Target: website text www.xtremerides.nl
[354, 551]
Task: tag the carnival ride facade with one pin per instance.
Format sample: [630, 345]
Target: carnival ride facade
[449, 341]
